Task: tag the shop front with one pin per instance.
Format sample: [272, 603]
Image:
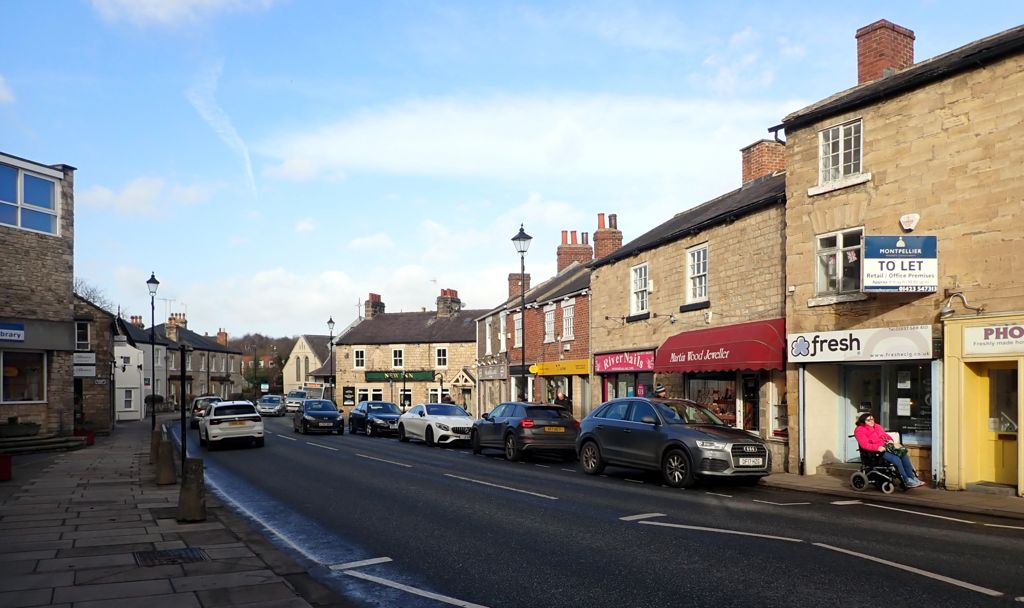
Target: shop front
[492, 387]
[886, 371]
[569, 377]
[984, 362]
[625, 374]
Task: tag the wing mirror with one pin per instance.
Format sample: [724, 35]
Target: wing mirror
[649, 420]
[422, 414]
[486, 416]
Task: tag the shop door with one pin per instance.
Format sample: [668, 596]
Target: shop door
[996, 423]
[862, 392]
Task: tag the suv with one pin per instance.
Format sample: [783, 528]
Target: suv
[679, 437]
[229, 421]
[198, 409]
[526, 427]
[293, 402]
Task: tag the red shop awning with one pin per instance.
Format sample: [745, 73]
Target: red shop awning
[756, 345]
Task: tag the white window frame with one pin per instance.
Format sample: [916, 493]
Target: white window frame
[697, 274]
[129, 399]
[21, 170]
[840, 152]
[188, 362]
[503, 332]
[568, 321]
[202, 361]
[549, 322]
[441, 357]
[487, 335]
[517, 330]
[397, 358]
[639, 301]
[358, 358]
[840, 251]
[160, 354]
[80, 345]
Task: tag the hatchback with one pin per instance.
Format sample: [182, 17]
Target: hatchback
[679, 437]
[519, 427]
[230, 421]
[318, 416]
[270, 405]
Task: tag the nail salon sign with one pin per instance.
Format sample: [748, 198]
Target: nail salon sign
[994, 340]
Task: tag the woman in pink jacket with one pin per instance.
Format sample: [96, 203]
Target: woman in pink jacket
[872, 438]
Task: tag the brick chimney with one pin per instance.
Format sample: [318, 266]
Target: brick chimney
[373, 306]
[514, 290]
[222, 337]
[448, 303]
[171, 328]
[606, 240]
[138, 322]
[570, 251]
[883, 46]
[763, 158]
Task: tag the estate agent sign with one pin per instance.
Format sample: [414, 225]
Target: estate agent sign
[900, 264]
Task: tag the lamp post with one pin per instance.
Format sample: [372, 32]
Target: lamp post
[522, 243]
[152, 284]
[253, 347]
[330, 345]
[440, 386]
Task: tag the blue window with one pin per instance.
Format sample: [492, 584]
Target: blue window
[27, 201]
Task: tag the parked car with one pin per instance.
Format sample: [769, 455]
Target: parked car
[374, 418]
[198, 409]
[270, 405]
[318, 416]
[226, 421]
[293, 401]
[681, 438]
[435, 423]
[518, 428]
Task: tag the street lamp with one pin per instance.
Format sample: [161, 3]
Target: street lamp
[152, 284]
[522, 243]
[330, 345]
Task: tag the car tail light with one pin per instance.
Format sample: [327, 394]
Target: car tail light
[576, 423]
[526, 423]
[214, 421]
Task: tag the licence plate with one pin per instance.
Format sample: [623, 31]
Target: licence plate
[237, 423]
[554, 429]
[393, 425]
[326, 424]
[751, 462]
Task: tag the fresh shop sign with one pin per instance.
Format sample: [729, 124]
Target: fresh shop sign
[900, 264]
[994, 340]
[875, 344]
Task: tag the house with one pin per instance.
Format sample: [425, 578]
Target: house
[698, 304]
[904, 271]
[94, 355]
[38, 333]
[407, 357]
[310, 353]
[492, 338]
[132, 384]
[211, 367]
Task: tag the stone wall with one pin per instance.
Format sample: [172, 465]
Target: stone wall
[416, 357]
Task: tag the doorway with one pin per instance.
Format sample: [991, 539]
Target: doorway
[862, 391]
[991, 407]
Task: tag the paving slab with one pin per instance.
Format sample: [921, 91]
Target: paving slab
[112, 591]
[76, 563]
[19, 582]
[243, 596]
[22, 599]
[171, 600]
[127, 573]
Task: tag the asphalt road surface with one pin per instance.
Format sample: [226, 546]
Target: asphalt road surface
[403, 524]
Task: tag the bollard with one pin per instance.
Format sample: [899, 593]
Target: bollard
[5, 467]
[165, 473]
[192, 497]
[154, 445]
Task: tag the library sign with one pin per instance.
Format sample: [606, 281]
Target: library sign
[900, 264]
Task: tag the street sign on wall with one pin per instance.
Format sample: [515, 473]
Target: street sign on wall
[900, 264]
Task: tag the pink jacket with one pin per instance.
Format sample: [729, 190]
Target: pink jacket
[871, 438]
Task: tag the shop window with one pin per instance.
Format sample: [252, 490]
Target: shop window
[362, 395]
[377, 394]
[909, 402]
[1003, 400]
[24, 377]
[717, 392]
[839, 259]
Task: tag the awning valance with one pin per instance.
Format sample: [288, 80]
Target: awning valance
[755, 345]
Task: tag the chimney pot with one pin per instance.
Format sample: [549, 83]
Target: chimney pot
[600, 221]
[573, 233]
[565, 237]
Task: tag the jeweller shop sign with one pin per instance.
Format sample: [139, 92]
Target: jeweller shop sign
[994, 340]
[900, 264]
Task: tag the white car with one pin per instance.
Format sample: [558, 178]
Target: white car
[435, 423]
[227, 421]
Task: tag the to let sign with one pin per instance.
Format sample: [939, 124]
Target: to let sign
[900, 264]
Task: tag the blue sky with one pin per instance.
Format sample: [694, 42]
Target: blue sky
[274, 161]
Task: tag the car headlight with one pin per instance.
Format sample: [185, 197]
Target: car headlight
[378, 421]
[309, 418]
[443, 427]
[711, 445]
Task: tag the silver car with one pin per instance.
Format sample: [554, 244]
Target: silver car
[270, 405]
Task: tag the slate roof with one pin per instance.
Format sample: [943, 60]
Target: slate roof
[320, 345]
[968, 57]
[139, 337]
[754, 195]
[196, 341]
[413, 328]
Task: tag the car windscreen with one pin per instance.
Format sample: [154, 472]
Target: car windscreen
[684, 413]
[239, 409]
[440, 409]
[320, 406]
[271, 400]
[547, 413]
[382, 408]
[297, 394]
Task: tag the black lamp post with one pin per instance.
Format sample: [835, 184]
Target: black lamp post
[440, 386]
[522, 243]
[330, 357]
[152, 284]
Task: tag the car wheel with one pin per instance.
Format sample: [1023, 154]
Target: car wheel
[303, 429]
[401, 434]
[341, 429]
[259, 442]
[428, 438]
[676, 469]
[368, 429]
[858, 481]
[590, 457]
[512, 451]
[474, 442]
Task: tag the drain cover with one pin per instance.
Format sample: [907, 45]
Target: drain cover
[170, 556]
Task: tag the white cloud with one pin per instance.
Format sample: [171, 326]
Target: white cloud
[171, 12]
[6, 95]
[144, 196]
[305, 225]
[203, 97]
[373, 241]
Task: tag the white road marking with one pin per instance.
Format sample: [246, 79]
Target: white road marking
[568, 470]
[287, 437]
[326, 447]
[781, 504]
[543, 466]
[641, 516]
[1019, 599]
[721, 531]
[413, 590]
[717, 494]
[963, 521]
[634, 480]
[401, 464]
[845, 502]
[1009, 527]
[494, 485]
[911, 569]
[361, 563]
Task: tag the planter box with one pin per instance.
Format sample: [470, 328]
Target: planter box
[22, 429]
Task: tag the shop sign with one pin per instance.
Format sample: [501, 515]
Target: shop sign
[875, 344]
[492, 372]
[400, 376]
[85, 371]
[994, 340]
[575, 367]
[83, 359]
[637, 361]
[12, 332]
[900, 264]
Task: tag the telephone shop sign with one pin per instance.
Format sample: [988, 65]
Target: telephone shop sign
[900, 264]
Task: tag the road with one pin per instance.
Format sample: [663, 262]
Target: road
[404, 524]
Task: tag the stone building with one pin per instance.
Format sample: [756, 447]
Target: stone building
[408, 357]
[92, 367]
[309, 354]
[492, 340]
[904, 272]
[38, 335]
[211, 366]
[697, 304]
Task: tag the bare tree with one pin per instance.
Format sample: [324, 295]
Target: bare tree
[94, 294]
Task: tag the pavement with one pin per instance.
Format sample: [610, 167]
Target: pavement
[89, 528]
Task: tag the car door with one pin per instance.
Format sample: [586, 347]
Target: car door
[357, 418]
[642, 435]
[609, 433]
[415, 422]
[488, 433]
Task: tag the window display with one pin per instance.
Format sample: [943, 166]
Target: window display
[24, 376]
